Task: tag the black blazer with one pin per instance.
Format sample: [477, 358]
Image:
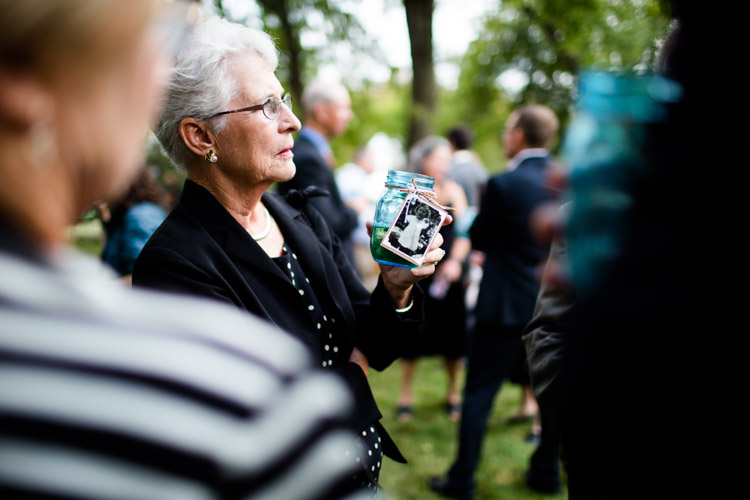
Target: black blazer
[509, 286]
[200, 249]
[312, 170]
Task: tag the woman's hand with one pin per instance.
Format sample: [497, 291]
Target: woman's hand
[360, 359]
[398, 281]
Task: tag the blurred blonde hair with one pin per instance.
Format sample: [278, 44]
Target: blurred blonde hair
[52, 36]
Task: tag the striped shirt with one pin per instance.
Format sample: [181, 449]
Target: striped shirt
[107, 392]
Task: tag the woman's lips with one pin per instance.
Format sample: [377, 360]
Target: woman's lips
[287, 152]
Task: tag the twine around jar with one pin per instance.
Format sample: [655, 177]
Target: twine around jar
[428, 196]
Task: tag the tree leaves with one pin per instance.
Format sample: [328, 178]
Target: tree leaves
[531, 51]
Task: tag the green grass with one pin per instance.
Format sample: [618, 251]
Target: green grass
[429, 440]
[87, 237]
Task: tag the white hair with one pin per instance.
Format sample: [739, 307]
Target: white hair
[422, 149]
[201, 84]
[320, 91]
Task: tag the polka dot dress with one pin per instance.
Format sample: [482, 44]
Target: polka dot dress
[325, 327]
[366, 450]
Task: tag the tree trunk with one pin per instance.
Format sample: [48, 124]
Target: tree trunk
[293, 48]
[424, 88]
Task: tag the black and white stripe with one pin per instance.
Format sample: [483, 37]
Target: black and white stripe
[107, 393]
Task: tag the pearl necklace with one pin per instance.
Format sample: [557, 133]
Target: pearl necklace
[266, 230]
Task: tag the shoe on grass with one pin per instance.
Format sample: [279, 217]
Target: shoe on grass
[404, 413]
[441, 486]
[545, 486]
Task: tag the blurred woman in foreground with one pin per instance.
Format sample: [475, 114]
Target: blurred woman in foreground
[106, 392]
[74, 113]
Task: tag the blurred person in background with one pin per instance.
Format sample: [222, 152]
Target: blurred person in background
[129, 221]
[360, 184]
[229, 125]
[509, 286]
[654, 332]
[544, 338]
[327, 112]
[468, 170]
[445, 309]
[106, 392]
[466, 167]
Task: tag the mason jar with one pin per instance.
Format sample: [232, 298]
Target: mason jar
[398, 184]
[603, 148]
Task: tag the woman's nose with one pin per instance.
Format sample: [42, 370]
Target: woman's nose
[288, 121]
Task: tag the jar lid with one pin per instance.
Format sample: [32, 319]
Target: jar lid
[616, 96]
[402, 178]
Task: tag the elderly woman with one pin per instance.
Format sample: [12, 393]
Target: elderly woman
[229, 125]
[445, 309]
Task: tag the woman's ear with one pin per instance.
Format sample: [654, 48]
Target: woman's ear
[196, 136]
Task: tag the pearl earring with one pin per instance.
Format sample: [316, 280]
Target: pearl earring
[211, 156]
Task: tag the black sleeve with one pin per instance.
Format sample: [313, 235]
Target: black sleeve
[384, 333]
[164, 269]
[546, 335]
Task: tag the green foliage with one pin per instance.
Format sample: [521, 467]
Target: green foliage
[545, 44]
[428, 441]
[377, 108]
[486, 122]
[306, 33]
[323, 18]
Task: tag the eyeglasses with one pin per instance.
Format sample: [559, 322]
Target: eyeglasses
[271, 108]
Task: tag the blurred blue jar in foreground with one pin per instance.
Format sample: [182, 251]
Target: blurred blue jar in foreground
[603, 149]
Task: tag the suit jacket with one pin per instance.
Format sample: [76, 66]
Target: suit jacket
[501, 230]
[201, 249]
[312, 170]
[546, 335]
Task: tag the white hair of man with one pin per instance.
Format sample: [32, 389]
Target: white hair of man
[201, 83]
[320, 91]
[422, 149]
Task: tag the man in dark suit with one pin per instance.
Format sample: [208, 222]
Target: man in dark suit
[508, 290]
[327, 110]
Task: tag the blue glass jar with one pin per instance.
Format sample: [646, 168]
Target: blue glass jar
[397, 186]
[603, 148]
